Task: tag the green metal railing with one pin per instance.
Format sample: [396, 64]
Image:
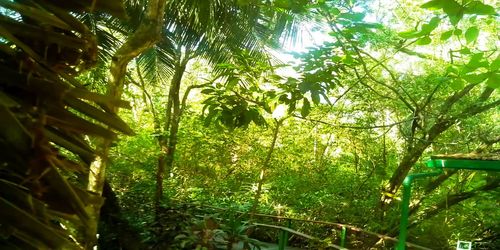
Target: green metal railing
[283, 237]
[344, 229]
[343, 236]
[405, 211]
[438, 163]
[285, 232]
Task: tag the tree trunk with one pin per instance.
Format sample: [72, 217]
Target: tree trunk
[168, 143]
[264, 168]
[143, 38]
[411, 156]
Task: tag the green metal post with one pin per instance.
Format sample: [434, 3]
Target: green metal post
[343, 236]
[405, 210]
[283, 238]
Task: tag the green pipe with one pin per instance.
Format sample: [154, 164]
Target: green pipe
[283, 237]
[281, 240]
[342, 237]
[405, 210]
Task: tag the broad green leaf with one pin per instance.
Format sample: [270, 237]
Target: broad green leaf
[494, 80]
[354, 17]
[451, 7]
[475, 78]
[471, 34]
[334, 11]
[349, 60]
[429, 27]
[306, 108]
[434, 22]
[424, 40]
[475, 61]
[464, 51]
[457, 84]
[457, 32]
[409, 34]
[446, 35]
[304, 87]
[454, 19]
[495, 65]
[371, 25]
[358, 29]
[208, 119]
[243, 2]
[207, 91]
[336, 58]
[433, 5]
[315, 97]
[479, 8]
[452, 69]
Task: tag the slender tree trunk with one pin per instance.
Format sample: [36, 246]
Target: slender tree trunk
[143, 38]
[411, 156]
[168, 143]
[264, 168]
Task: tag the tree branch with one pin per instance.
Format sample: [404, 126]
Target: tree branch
[455, 199]
[350, 126]
[186, 94]
[417, 54]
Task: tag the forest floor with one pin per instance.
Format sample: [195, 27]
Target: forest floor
[265, 246]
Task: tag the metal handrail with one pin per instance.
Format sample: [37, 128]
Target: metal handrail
[339, 225]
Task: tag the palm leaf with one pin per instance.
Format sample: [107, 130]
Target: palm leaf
[115, 8]
[156, 63]
[42, 108]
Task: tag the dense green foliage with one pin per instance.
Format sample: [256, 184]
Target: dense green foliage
[227, 129]
[356, 120]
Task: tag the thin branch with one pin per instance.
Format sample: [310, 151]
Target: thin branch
[474, 110]
[341, 96]
[417, 54]
[429, 97]
[186, 94]
[360, 80]
[148, 96]
[248, 99]
[456, 97]
[394, 90]
[353, 127]
[391, 74]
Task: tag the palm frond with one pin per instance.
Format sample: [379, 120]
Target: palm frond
[42, 109]
[157, 62]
